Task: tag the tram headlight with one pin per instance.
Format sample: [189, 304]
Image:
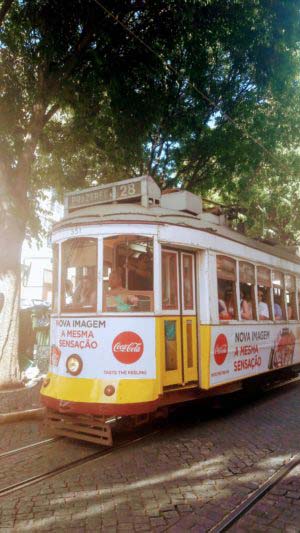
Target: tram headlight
[74, 364]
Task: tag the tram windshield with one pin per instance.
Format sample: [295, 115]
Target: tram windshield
[128, 274]
[79, 275]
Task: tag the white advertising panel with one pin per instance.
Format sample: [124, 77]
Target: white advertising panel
[237, 352]
[109, 347]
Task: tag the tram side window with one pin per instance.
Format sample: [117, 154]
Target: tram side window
[55, 279]
[278, 295]
[169, 280]
[128, 274]
[79, 275]
[290, 294]
[247, 293]
[188, 281]
[227, 300]
[264, 307]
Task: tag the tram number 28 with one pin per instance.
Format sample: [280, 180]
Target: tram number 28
[129, 189]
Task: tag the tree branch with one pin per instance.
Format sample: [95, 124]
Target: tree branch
[4, 10]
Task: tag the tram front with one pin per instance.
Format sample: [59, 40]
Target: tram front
[103, 355]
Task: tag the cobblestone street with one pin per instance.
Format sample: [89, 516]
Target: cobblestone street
[185, 477]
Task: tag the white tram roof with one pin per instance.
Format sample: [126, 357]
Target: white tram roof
[148, 204]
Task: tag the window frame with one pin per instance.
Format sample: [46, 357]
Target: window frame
[296, 308]
[133, 312]
[173, 311]
[235, 283]
[254, 299]
[283, 303]
[192, 310]
[93, 310]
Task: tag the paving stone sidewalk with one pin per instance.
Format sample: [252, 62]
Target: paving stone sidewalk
[185, 478]
[20, 399]
[17, 434]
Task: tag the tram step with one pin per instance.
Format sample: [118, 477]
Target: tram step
[87, 428]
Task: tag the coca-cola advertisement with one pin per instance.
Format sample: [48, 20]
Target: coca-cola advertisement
[240, 351]
[282, 353]
[110, 348]
[128, 347]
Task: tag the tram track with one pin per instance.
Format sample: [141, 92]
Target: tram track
[224, 525]
[73, 464]
[28, 447]
[248, 503]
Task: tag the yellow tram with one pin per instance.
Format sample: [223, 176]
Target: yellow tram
[155, 302]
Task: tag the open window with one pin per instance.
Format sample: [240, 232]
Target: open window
[290, 294]
[264, 308]
[227, 299]
[79, 275]
[247, 291]
[128, 274]
[278, 295]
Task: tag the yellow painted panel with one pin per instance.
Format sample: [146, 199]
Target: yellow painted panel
[92, 390]
[189, 337]
[170, 352]
[205, 334]
[159, 352]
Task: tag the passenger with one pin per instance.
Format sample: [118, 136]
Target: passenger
[141, 273]
[246, 308]
[117, 297]
[263, 309]
[277, 309]
[85, 294]
[226, 306]
[229, 301]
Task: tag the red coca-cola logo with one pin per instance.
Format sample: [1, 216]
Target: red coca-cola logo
[220, 349]
[128, 347]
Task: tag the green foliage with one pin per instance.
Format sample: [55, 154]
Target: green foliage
[82, 101]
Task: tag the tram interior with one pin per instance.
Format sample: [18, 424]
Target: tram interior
[128, 274]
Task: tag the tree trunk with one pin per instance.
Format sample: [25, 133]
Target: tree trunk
[12, 224]
[9, 327]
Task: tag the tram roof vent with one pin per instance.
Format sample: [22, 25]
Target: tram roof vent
[142, 190]
[182, 201]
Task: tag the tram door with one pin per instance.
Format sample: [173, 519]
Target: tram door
[179, 335]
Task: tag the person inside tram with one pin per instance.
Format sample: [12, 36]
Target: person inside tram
[263, 309]
[118, 298]
[85, 294]
[140, 277]
[277, 308]
[246, 307]
[226, 306]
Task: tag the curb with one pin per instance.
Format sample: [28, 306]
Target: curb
[18, 416]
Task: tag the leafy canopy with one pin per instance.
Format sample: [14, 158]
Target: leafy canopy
[81, 100]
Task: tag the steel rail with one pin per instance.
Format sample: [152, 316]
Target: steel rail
[238, 512]
[78, 462]
[29, 446]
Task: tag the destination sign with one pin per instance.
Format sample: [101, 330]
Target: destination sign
[104, 194]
